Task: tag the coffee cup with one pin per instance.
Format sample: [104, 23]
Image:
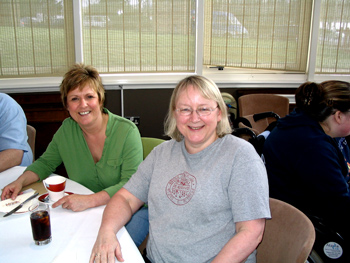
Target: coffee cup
[55, 186]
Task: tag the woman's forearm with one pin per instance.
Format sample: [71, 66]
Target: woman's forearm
[246, 240]
[27, 178]
[119, 210]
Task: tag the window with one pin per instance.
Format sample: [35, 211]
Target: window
[333, 47]
[36, 38]
[43, 38]
[139, 36]
[257, 34]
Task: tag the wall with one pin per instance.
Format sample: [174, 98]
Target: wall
[45, 112]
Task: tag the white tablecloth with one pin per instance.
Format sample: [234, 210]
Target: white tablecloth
[73, 233]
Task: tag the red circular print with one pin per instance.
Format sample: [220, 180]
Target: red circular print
[181, 188]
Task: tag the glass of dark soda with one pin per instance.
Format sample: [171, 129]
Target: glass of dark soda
[40, 221]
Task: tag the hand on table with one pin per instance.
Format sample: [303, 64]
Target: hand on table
[74, 202]
[11, 190]
[106, 248]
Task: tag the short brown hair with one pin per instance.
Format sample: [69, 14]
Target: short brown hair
[79, 76]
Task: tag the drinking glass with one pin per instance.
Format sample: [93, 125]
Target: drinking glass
[40, 221]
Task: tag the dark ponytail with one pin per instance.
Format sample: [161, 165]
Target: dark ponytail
[321, 100]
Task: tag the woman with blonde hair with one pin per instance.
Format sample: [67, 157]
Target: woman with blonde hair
[206, 190]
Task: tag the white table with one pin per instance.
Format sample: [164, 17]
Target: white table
[73, 233]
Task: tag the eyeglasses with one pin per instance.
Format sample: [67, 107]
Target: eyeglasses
[201, 111]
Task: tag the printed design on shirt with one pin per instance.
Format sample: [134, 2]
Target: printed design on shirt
[181, 188]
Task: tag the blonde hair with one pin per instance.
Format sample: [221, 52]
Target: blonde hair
[79, 76]
[208, 90]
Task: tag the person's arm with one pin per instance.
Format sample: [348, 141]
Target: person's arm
[10, 158]
[248, 236]
[12, 189]
[116, 214]
[321, 170]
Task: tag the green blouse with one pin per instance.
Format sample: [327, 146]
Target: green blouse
[122, 154]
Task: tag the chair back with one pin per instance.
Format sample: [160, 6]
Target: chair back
[31, 133]
[148, 144]
[252, 104]
[257, 103]
[289, 236]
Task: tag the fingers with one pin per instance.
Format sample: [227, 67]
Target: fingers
[118, 254]
[3, 195]
[65, 202]
[106, 249]
[73, 202]
[9, 192]
[58, 203]
[92, 257]
[95, 258]
[103, 257]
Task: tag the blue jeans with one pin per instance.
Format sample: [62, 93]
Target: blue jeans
[138, 226]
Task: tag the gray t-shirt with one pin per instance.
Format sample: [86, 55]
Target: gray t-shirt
[194, 200]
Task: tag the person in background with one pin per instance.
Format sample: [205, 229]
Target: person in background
[14, 147]
[206, 190]
[305, 166]
[344, 148]
[99, 150]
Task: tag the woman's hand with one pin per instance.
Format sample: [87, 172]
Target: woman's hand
[79, 203]
[74, 202]
[11, 190]
[116, 214]
[106, 248]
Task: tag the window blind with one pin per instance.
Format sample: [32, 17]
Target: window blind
[133, 36]
[139, 36]
[258, 34]
[36, 38]
[333, 49]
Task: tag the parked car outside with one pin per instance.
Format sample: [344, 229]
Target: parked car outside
[96, 21]
[225, 23]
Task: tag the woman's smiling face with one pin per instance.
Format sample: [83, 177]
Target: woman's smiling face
[199, 131]
[84, 105]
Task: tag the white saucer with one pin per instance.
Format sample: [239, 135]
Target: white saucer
[42, 197]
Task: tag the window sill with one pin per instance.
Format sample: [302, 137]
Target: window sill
[224, 79]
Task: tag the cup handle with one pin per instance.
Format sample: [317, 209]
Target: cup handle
[45, 185]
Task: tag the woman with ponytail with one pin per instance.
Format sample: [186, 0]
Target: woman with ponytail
[305, 166]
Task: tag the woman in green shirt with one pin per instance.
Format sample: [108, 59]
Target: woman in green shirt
[100, 150]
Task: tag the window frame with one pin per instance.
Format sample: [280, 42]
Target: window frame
[233, 78]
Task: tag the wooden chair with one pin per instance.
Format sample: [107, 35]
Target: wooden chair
[251, 104]
[31, 133]
[289, 235]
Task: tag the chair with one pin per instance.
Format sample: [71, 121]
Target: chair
[148, 144]
[249, 105]
[256, 103]
[31, 133]
[288, 237]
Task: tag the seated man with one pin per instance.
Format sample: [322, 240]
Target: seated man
[14, 147]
